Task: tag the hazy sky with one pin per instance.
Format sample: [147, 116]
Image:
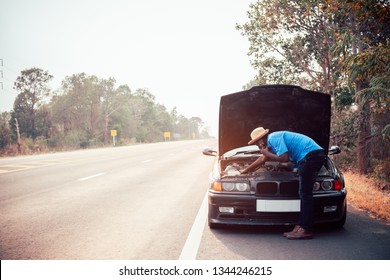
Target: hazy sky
[187, 53]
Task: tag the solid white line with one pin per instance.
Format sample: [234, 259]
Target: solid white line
[190, 249]
[90, 177]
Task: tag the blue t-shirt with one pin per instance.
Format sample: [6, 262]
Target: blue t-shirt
[295, 144]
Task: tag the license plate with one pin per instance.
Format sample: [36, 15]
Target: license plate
[264, 205]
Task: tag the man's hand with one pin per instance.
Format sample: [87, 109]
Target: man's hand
[260, 161]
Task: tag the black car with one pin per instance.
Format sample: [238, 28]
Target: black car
[269, 195]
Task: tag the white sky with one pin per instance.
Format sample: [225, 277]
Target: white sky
[187, 53]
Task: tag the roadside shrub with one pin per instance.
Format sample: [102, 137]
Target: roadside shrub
[74, 139]
[381, 170]
[346, 160]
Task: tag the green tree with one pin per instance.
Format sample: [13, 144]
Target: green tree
[110, 103]
[151, 117]
[77, 108]
[5, 132]
[325, 45]
[33, 89]
[290, 42]
[363, 47]
[196, 124]
[121, 118]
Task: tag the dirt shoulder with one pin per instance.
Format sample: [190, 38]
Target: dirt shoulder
[368, 194]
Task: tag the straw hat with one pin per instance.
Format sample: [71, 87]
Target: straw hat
[257, 134]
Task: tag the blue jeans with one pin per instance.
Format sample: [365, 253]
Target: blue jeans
[308, 169]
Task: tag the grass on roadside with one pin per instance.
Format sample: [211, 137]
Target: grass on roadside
[365, 193]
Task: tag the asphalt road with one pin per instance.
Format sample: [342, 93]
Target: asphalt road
[147, 202]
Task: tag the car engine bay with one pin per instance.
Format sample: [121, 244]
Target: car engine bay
[232, 168]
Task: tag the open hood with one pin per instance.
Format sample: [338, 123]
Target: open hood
[274, 107]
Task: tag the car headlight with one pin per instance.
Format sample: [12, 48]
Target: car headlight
[242, 187]
[228, 186]
[235, 187]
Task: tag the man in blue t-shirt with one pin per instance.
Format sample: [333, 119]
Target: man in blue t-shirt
[284, 146]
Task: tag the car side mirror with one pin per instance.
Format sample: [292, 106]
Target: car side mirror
[334, 150]
[209, 152]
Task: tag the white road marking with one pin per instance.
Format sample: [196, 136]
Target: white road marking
[190, 249]
[146, 161]
[90, 177]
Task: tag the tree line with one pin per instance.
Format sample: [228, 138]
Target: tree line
[340, 47]
[83, 112]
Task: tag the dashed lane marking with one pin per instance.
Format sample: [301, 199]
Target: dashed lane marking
[91, 177]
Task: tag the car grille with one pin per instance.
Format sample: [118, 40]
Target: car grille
[289, 189]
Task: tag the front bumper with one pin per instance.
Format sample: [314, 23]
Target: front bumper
[328, 208]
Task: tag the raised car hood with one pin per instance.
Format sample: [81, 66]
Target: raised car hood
[274, 107]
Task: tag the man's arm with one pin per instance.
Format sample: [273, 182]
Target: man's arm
[261, 160]
[273, 157]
